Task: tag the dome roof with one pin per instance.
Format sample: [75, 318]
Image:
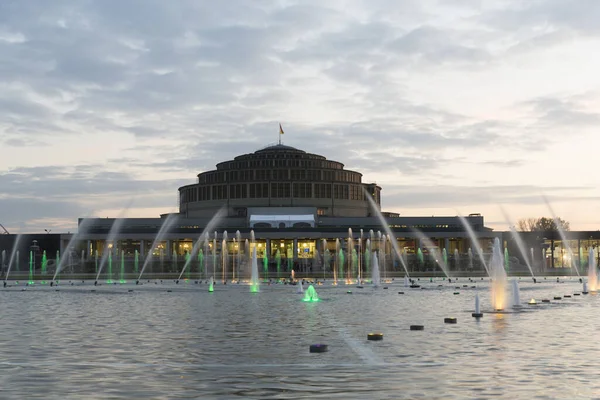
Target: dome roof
[279, 147]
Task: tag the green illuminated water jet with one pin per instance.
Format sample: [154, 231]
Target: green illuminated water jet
[122, 274]
[31, 267]
[109, 277]
[278, 261]
[310, 294]
[211, 285]
[265, 266]
[44, 263]
[136, 262]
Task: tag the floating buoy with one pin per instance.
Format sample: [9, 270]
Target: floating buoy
[318, 348]
[375, 336]
[567, 296]
[417, 327]
[456, 293]
[557, 297]
[545, 301]
[477, 315]
[450, 320]
[400, 292]
[576, 294]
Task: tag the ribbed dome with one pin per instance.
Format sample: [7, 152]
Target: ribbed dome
[279, 147]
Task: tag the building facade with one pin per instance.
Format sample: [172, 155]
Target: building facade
[298, 211]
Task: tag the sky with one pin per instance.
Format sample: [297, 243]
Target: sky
[453, 107]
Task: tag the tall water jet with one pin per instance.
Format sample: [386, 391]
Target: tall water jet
[420, 258]
[278, 262]
[563, 237]
[136, 261]
[498, 275]
[196, 248]
[254, 278]
[456, 259]
[211, 285]
[375, 278]
[474, 242]
[386, 227]
[14, 254]
[30, 268]
[122, 270]
[516, 296]
[506, 260]
[367, 257]
[110, 241]
[592, 272]
[520, 244]
[80, 230]
[438, 258]
[169, 221]
[44, 263]
[406, 281]
[310, 294]
[470, 256]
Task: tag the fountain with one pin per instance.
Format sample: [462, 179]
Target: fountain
[44, 264]
[300, 289]
[456, 260]
[520, 244]
[474, 242]
[592, 272]
[30, 282]
[432, 250]
[80, 230]
[498, 276]
[14, 254]
[203, 236]
[406, 281]
[254, 279]
[169, 221]
[136, 261]
[375, 278]
[112, 233]
[211, 285]
[386, 227]
[310, 294]
[516, 297]
[477, 313]
[563, 237]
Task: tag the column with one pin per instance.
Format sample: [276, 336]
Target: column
[295, 250]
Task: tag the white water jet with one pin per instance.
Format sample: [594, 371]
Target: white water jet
[516, 296]
[375, 278]
[112, 233]
[474, 242]
[13, 254]
[203, 236]
[563, 237]
[592, 272]
[386, 227]
[406, 281]
[438, 256]
[254, 279]
[169, 221]
[498, 276]
[300, 289]
[477, 304]
[67, 253]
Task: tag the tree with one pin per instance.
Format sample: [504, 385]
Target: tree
[543, 224]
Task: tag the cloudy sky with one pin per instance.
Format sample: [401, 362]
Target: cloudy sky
[455, 106]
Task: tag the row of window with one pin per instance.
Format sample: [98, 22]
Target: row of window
[301, 190]
[285, 162]
[279, 175]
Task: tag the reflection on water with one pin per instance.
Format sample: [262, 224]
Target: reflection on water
[189, 343]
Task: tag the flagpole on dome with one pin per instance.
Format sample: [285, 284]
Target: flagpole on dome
[280, 133]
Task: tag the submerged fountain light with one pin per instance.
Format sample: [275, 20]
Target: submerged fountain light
[310, 295]
[532, 301]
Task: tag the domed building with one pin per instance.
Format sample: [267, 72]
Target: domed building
[296, 209]
[279, 186]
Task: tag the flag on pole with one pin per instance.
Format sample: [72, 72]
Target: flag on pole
[280, 130]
